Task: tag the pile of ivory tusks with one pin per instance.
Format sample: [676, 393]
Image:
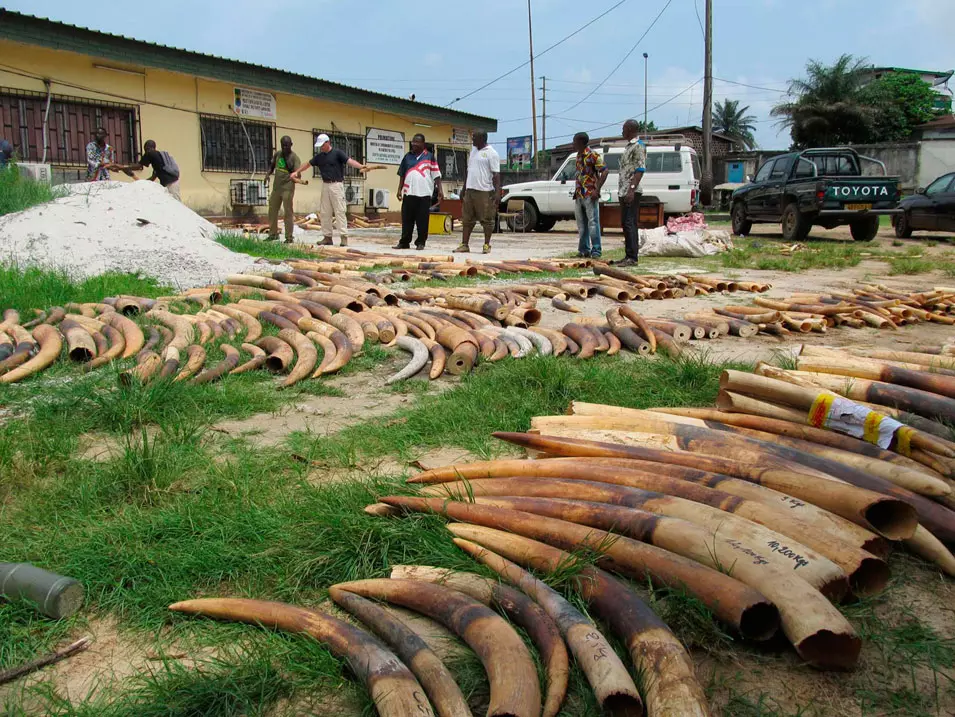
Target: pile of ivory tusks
[766, 520]
[336, 312]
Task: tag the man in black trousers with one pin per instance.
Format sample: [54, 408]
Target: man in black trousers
[419, 179]
[633, 165]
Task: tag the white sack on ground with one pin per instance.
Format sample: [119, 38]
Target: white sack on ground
[659, 242]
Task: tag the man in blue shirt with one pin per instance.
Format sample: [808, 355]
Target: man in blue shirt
[6, 153]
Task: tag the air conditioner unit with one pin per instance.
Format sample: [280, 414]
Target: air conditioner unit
[378, 198]
[36, 171]
[249, 192]
[353, 194]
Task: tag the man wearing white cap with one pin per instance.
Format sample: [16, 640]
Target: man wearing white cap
[331, 165]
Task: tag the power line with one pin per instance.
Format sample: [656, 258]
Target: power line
[541, 54]
[625, 57]
[696, 9]
[754, 87]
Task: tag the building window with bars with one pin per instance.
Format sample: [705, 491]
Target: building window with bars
[71, 126]
[231, 145]
[351, 144]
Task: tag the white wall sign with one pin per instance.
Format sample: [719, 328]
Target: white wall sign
[253, 103]
[383, 146]
[460, 135]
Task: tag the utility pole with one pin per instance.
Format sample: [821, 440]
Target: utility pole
[646, 76]
[707, 184]
[530, 34]
[543, 113]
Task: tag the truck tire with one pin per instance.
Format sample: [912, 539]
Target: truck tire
[795, 224]
[545, 224]
[903, 225]
[525, 221]
[741, 225]
[864, 229]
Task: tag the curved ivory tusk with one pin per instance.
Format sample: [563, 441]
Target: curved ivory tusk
[221, 369]
[306, 353]
[437, 680]
[515, 690]
[419, 357]
[608, 677]
[257, 360]
[670, 684]
[195, 358]
[734, 603]
[519, 608]
[393, 688]
[50, 342]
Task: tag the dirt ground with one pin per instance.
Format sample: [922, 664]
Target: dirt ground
[794, 688]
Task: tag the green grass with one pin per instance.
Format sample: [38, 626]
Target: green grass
[27, 288]
[504, 397]
[244, 244]
[763, 254]
[18, 193]
[911, 265]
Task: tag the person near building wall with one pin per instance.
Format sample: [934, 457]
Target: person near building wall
[482, 191]
[100, 157]
[6, 153]
[331, 165]
[283, 163]
[164, 167]
[591, 175]
[418, 180]
[633, 165]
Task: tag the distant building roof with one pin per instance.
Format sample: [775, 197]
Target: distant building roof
[944, 122]
[941, 76]
[43, 32]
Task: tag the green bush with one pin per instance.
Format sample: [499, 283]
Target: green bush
[18, 193]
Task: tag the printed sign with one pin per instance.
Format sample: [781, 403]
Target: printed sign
[519, 153]
[383, 146]
[460, 135]
[253, 103]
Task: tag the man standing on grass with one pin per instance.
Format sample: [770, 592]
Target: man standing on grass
[282, 165]
[482, 191]
[100, 157]
[331, 165]
[164, 167]
[591, 175]
[419, 178]
[633, 165]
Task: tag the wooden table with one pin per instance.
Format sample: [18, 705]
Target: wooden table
[651, 215]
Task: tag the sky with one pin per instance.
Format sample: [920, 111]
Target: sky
[441, 50]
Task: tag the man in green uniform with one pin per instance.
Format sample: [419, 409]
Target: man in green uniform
[284, 162]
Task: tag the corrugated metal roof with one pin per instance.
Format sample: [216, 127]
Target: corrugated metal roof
[20, 27]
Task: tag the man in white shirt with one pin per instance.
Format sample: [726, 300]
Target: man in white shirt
[482, 191]
[419, 181]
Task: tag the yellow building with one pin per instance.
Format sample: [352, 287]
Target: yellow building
[220, 119]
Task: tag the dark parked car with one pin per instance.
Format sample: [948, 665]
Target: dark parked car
[930, 209]
[816, 187]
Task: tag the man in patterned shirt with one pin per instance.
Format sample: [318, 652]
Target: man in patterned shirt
[633, 165]
[591, 175]
[100, 158]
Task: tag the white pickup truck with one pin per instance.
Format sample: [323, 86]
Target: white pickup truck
[673, 177]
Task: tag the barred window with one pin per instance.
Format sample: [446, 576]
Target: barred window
[351, 144]
[72, 123]
[226, 144]
[452, 163]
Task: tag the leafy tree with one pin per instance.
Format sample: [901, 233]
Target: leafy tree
[733, 121]
[648, 127]
[825, 108]
[900, 102]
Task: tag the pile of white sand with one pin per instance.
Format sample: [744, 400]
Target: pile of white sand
[119, 226]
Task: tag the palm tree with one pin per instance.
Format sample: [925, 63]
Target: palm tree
[733, 121]
[824, 109]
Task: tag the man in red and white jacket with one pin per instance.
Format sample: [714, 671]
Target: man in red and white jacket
[419, 176]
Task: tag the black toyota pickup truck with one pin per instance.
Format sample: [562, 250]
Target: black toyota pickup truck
[816, 187]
